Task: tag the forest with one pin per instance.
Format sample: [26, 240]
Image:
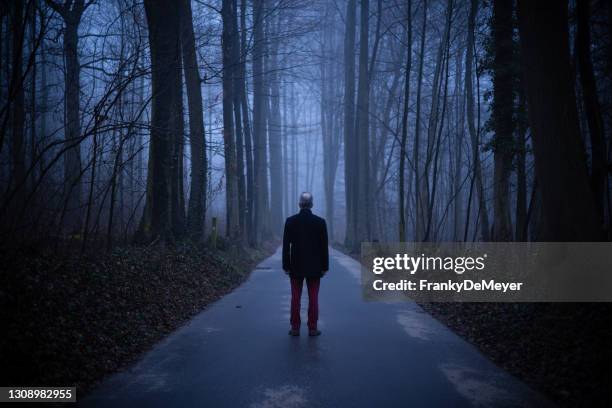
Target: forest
[130, 125]
[125, 122]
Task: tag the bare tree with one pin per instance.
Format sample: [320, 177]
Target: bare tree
[71, 13]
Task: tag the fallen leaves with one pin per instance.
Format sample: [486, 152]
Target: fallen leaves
[73, 319]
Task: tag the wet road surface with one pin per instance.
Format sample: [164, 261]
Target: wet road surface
[237, 353]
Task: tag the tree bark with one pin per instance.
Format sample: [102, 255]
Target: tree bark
[162, 193]
[33, 96]
[196, 213]
[350, 151]
[521, 173]
[457, 175]
[285, 137]
[419, 220]
[248, 145]
[231, 192]
[469, 90]
[274, 131]
[568, 207]
[503, 110]
[592, 107]
[238, 89]
[362, 127]
[16, 91]
[433, 123]
[402, 164]
[71, 13]
[330, 136]
[259, 120]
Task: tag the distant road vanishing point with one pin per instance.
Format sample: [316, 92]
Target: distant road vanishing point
[237, 353]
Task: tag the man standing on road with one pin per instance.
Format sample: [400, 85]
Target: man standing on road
[305, 256]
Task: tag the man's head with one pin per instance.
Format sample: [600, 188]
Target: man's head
[305, 200]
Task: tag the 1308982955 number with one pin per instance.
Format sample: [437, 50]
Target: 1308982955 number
[37, 394]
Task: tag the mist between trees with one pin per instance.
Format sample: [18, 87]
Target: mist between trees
[410, 120]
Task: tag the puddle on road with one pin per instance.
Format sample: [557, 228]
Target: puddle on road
[152, 381]
[286, 396]
[481, 388]
[416, 324]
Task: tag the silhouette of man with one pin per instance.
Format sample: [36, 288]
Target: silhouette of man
[305, 256]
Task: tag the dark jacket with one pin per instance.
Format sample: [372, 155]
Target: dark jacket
[305, 251]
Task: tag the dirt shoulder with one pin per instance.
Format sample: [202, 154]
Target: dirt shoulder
[72, 320]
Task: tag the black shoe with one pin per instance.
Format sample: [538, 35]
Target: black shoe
[314, 333]
[294, 332]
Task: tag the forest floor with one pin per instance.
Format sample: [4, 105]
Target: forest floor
[71, 320]
[560, 349]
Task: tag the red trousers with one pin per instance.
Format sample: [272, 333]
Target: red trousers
[313, 301]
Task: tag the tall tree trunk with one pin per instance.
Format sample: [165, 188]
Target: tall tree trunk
[248, 145]
[33, 96]
[329, 135]
[429, 235]
[434, 122]
[521, 173]
[419, 204]
[166, 119]
[238, 88]
[117, 164]
[231, 181]
[71, 13]
[72, 159]
[402, 164]
[350, 151]
[362, 127]
[274, 131]
[592, 107]
[503, 110]
[177, 180]
[285, 137]
[44, 101]
[259, 120]
[568, 207]
[296, 152]
[16, 92]
[325, 111]
[457, 171]
[469, 90]
[196, 213]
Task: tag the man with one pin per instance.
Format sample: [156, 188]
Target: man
[305, 256]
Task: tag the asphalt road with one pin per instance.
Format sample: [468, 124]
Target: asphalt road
[237, 353]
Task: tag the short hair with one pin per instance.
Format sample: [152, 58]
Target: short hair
[305, 200]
